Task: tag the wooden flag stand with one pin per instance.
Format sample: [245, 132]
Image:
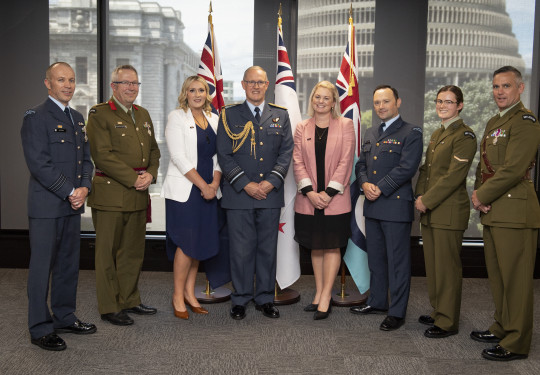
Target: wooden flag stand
[205, 294]
[345, 298]
[285, 296]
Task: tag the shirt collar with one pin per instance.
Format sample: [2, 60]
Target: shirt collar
[390, 122]
[252, 107]
[451, 122]
[62, 107]
[124, 108]
[502, 113]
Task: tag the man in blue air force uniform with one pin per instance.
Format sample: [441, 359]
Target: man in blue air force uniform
[58, 158]
[254, 146]
[389, 159]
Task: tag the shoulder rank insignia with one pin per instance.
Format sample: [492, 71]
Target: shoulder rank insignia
[417, 129]
[469, 134]
[29, 112]
[92, 110]
[277, 106]
[528, 117]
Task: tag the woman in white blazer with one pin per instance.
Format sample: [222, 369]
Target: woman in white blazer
[191, 190]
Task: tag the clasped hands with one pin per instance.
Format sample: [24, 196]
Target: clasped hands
[143, 181]
[259, 190]
[371, 191]
[209, 191]
[78, 197]
[319, 200]
[479, 206]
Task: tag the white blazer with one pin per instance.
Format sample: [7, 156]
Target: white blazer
[181, 137]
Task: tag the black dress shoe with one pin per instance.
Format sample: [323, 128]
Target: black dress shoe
[238, 312]
[322, 314]
[484, 336]
[498, 353]
[366, 309]
[78, 327]
[438, 333]
[426, 319]
[391, 323]
[50, 342]
[141, 310]
[311, 307]
[118, 318]
[268, 310]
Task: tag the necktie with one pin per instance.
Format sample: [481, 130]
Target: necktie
[258, 114]
[381, 128]
[68, 114]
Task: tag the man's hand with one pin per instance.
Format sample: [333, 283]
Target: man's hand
[420, 205]
[371, 191]
[266, 186]
[143, 181]
[78, 197]
[254, 190]
[479, 206]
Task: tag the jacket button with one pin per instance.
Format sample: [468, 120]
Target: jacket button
[137, 129]
[123, 134]
[79, 162]
[509, 195]
[78, 147]
[261, 174]
[108, 182]
[261, 159]
[397, 197]
[76, 133]
[377, 144]
[79, 177]
[261, 143]
[374, 172]
[143, 159]
[142, 144]
[374, 158]
[62, 141]
[390, 151]
[261, 128]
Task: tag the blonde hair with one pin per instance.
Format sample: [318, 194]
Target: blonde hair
[182, 98]
[335, 95]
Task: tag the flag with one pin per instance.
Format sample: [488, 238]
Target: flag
[210, 67]
[288, 255]
[347, 84]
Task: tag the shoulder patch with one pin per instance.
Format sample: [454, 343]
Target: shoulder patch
[277, 106]
[418, 129]
[29, 112]
[92, 110]
[469, 134]
[232, 105]
[529, 117]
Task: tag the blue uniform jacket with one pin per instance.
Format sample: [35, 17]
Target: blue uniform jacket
[58, 158]
[269, 160]
[390, 161]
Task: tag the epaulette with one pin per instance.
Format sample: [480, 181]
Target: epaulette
[277, 106]
[417, 129]
[95, 107]
[29, 112]
[231, 105]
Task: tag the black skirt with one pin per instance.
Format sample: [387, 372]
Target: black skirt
[322, 231]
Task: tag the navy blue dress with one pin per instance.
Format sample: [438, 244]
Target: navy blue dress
[193, 225]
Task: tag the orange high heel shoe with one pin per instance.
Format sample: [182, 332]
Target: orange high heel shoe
[180, 314]
[196, 310]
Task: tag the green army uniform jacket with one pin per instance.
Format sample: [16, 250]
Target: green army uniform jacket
[442, 178]
[118, 147]
[510, 144]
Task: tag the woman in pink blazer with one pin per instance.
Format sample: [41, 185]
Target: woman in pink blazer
[322, 160]
[191, 189]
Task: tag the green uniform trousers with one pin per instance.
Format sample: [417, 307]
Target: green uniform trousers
[510, 255]
[120, 242]
[442, 248]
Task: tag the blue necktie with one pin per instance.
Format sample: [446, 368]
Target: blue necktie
[381, 128]
[68, 114]
[258, 114]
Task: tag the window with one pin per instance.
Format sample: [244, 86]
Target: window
[81, 69]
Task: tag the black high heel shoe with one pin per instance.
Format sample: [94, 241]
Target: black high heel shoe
[311, 307]
[323, 314]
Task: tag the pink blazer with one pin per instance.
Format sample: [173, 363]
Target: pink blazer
[339, 160]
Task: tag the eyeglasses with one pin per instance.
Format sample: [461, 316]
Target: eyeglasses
[440, 102]
[255, 83]
[127, 83]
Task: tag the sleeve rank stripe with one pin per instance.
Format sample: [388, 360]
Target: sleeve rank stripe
[391, 182]
[58, 183]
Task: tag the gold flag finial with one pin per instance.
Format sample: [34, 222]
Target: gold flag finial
[352, 53]
[279, 16]
[210, 9]
[210, 12]
[350, 11]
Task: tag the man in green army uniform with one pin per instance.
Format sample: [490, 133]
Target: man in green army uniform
[444, 204]
[510, 214]
[126, 155]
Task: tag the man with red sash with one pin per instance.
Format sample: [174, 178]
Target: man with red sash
[126, 155]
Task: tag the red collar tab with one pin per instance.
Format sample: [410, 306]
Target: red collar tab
[134, 106]
[112, 105]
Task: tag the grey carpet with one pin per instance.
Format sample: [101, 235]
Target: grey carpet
[216, 344]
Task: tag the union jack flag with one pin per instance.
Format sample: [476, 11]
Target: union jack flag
[210, 67]
[349, 100]
[288, 255]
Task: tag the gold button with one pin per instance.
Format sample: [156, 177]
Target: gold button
[261, 159]
[143, 159]
[432, 150]
[142, 144]
[429, 165]
[79, 176]
[78, 147]
[397, 197]
[76, 133]
[377, 144]
[137, 128]
[108, 182]
[509, 195]
[79, 162]
[374, 158]
[62, 141]
[261, 175]
[390, 151]
[261, 128]
[261, 143]
[374, 172]
[123, 134]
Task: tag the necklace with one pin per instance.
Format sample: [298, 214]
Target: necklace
[320, 135]
[201, 124]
